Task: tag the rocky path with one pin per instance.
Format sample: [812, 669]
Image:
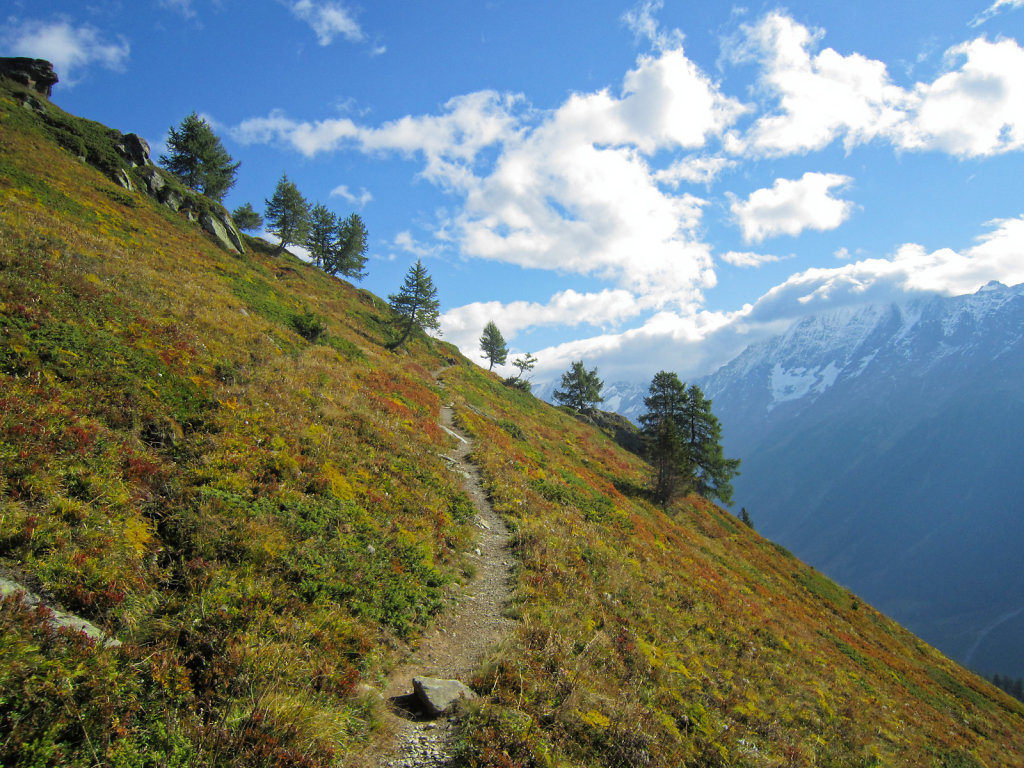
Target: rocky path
[457, 645]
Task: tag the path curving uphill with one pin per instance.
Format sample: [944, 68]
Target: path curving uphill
[459, 642]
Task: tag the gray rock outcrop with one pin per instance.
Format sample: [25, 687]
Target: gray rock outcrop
[36, 74]
[439, 696]
[57, 619]
[223, 230]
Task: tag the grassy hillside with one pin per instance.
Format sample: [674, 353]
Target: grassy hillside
[266, 524]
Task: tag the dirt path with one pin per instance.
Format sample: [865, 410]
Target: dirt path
[459, 642]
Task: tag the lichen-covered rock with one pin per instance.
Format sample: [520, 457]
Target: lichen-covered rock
[224, 234]
[36, 74]
[438, 696]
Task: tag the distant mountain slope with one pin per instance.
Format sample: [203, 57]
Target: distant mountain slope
[884, 446]
[263, 517]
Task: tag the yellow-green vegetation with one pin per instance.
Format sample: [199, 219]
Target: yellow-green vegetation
[218, 460]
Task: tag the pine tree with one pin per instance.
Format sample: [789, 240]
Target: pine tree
[493, 345]
[287, 214]
[745, 518]
[349, 255]
[246, 218]
[581, 389]
[196, 156]
[321, 240]
[416, 303]
[668, 453]
[524, 364]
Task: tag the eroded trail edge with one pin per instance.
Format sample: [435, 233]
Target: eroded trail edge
[459, 642]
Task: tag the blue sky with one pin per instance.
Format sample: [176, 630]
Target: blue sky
[642, 186]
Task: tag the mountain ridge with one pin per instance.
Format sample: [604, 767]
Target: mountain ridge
[867, 435]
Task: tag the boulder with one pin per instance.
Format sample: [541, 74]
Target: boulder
[36, 74]
[223, 234]
[437, 696]
[134, 149]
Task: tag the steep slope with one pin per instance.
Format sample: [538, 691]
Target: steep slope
[882, 445]
[263, 517]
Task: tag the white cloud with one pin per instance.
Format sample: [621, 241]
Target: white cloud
[820, 97]
[342, 191]
[997, 7]
[463, 325]
[67, 47]
[696, 169]
[975, 108]
[569, 188]
[327, 20]
[640, 19]
[405, 242]
[748, 258]
[697, 343]
[790, 206]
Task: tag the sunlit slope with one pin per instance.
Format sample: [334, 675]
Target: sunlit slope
[264, 520]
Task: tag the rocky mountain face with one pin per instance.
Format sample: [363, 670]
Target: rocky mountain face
[883, 445]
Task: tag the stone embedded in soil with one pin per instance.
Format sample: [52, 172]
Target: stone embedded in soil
[439, 696]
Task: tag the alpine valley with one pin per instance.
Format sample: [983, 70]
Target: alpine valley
[882, 445]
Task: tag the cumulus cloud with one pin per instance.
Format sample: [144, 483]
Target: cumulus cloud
[327, 20]
[463, 325]
[567, 189]
[819, 96]
[974, 108]
[792, 205]
[67, 47]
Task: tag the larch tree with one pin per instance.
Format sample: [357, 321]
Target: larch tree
[197, 157]
[321, 239]
[287, 214]
[702, 433]
[246, 218]
[349, 255]
[581, 389]
[493, 345]
[416, 303]
[667, 451]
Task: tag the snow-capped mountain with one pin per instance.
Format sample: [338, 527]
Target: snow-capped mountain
[883, 445]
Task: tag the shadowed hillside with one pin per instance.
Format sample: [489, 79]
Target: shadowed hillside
[267, 525]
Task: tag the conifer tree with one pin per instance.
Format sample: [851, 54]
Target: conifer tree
[416, 303]
[581, 389]
[246, 218]
[349, 255]
[321, 240]
[703, 434]
[287, 214]
[196, 156]
[667, 451]
[493, 345]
